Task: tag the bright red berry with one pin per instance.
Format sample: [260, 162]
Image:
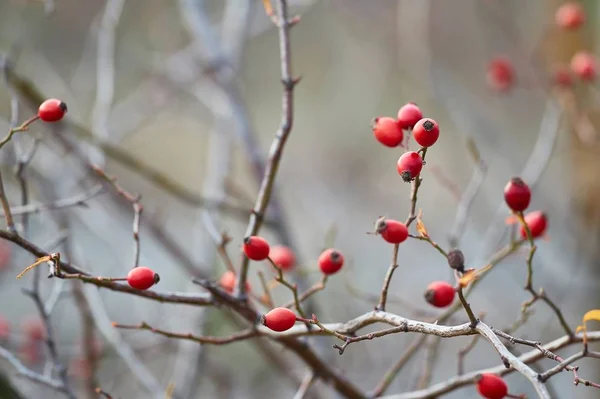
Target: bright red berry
[408, 115]
[440, 294]
[537, 221]
[583, 64]
[331, 261]
[570, 16]
[517, 194]
[142, 278]
[392, 231]
[4, 328]
[500, 74]
[228, 281]
[562, 77]
[409, 165]
[490, 386]
[256, 248]
[426, 132]
[387, 131]
[34, 329]
[52, 110]
[279, 319]
[283, 257]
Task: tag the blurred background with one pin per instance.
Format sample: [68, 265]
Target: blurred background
[180, 101]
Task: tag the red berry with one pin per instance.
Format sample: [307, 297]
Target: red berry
[52, 110]
[34, 329]
[562, 77]
[583, 64]
[409, 165]
[517, 194]
[537, 221]
[392, 231]
[426, 132]
[440, 294]
[279, 319]
[331, 261]
[408, 115]
[142, 278]
[5, 254]
[283, 257]
[256, 248]
[228, 281]
[570, 16]
[31, 353]
[387, 131]
[490, 386]
[4, 328]
[500, 74]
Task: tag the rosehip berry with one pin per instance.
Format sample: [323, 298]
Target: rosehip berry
[500, 74]
[4, 328]
[409, 165]
[34, 329]
[537, 221]
[570, 16]
[456, 260]
[52, 110]
[562, 77]
[228, 281]
[256, 248]
[517, 194]
[426, 132]
[408, 115]
[490, 386]
[583, 64]
[440, 294]
[392, 231]
[142, 278]
[331, 261]
[279, 319]
[387, 131]
[283, 257]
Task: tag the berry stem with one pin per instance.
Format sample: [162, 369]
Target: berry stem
[267, 299]
[292, 287]
[319, 286]
[467, 307]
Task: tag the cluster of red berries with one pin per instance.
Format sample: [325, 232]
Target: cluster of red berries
[569, 16]
[517, 196]
[390, 132]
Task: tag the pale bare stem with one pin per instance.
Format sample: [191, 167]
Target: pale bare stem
[319, 286]
[431, 351]
[278, 144]
[393, 372]
[88, 341]
[307, 381]
[235, 337]
[25, 372]
[10, 222]
[76, 200]
[137, 212]
[268, 299]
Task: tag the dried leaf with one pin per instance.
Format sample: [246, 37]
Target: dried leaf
[591, 315]
[421, 226]
[473, 150]
[471, 275]
[268, 7]
[170, 390]
[39, 261]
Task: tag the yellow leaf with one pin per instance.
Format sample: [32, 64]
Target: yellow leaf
[268, 7]
[579, 329]
[169, 391]
[592, 315]
[471, 275]
[420, 225]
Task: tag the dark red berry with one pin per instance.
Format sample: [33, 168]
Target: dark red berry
[440, 294]
[387, 131]
[517, 194]
[256, 248]
[426, 132]
[500, 74]
[408, 115]
[537, 221]
[283, 257]
[583, 64]
[456, 260]
[490, 386]
[392, 231]
[409, 165]
[570, 16]
[52, 110]
[142, 278]
[331, 261]
[279, 319]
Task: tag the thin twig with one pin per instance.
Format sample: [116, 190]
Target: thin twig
[306, 384]
[31, 375]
